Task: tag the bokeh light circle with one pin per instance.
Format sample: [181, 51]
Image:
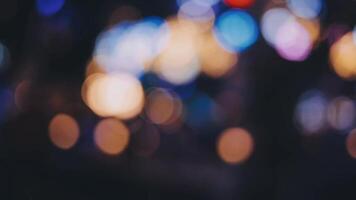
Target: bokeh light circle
[111, 136]
[236, 30]
[63, 131]
[235, 145]
[49, 7]
[239, 3]
[351, 144]
[271, 22]
[311, 112]
[341, 113]
[342, 57]
[114, 95]
[293, 41]
[308, 9]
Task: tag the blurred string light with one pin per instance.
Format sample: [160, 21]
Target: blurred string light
[236, 30]
[49, 7]
[215, 60]
[342, 56]
[311, 112]
[351, 143]
[131, 47]
[111, 136]
[178, 62]
[163, 107]
[308, 9]
[341, 113]
[63, 131]
[239, 3]
[114, 95]
[235, 145]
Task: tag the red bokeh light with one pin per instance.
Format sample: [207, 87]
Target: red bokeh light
[239, 3]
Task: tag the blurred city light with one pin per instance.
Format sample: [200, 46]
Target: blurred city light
[115, 95]
[239, 3]
[111, 136]
[63, 131]
[235, 145]
[342, 54]
[271, 22]
[308, 9]
[49, 7]
[293, 41]
[236, 30]
[341, 113]
[311, 111]
[351, 143]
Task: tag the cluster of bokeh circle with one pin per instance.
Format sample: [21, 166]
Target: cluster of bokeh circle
[204, 39]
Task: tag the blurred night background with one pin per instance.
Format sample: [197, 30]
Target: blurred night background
[177, 99]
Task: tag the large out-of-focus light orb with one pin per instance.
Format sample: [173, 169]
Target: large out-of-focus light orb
[215, 60]
[341, 113]
[236, 30]
[235, 145]
[131, 48]
[178, 62]
[239, 3]
[342, 57]
[49, 7]
[63, 131]
[111, 136]
[311, 112]
[293, 41]
[312, 27]
[116, 95]
[308, 9]
[351, 144]
[271, 22]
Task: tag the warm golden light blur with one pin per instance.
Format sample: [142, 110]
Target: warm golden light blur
[63, 131]
[351, 143]
[117, 95]
[235, 145]
[342, 57]
[178, 63]
[162, 107]
[215, 60]
[111, 136]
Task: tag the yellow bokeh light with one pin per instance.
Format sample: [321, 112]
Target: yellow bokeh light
[111, 136]
[215, 60]
[63, 131]
[178, 62]
[116, 95]
[235, 145]
[312, 27]
[342, 57]
[351, 144]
